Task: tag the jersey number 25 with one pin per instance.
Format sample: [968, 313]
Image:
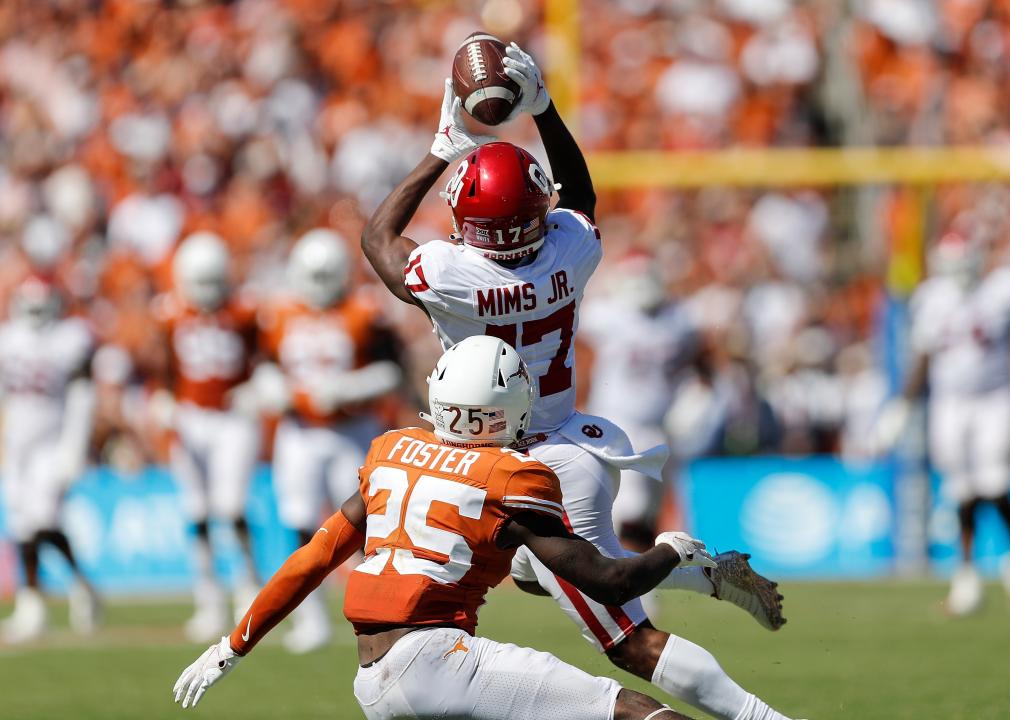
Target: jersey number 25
[468, 500]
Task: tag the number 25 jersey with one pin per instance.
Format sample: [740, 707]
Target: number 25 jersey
[434, 513]
[533, 306]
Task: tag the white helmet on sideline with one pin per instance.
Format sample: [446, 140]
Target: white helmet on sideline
[37, 301]
[480, 393]
[319, 267]
[201, 269]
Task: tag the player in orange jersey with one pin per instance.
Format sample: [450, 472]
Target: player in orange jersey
[333, 357]
[210, 337]
[440, 515]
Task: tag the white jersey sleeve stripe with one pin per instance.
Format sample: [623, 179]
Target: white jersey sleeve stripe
[527, 498]
[538, 508]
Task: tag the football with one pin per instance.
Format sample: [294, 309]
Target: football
[479, 79]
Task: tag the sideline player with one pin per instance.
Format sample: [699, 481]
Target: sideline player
[332, 357]
[960, 339]
[440, 515]
[517, 270]
[210, 337]
[48, 413]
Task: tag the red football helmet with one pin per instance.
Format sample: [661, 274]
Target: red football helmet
[499, 197]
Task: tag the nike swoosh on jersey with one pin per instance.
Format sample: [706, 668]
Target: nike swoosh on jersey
[245, 635]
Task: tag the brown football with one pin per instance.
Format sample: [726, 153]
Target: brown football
[479, 79]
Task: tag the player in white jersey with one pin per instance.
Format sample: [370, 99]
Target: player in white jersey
[517, 270]
[960, 340]
[641, 342]
[48, 409]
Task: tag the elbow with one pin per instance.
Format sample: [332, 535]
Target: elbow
[368, 236]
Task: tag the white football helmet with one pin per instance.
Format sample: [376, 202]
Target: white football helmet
[319, 267]
[480, 393]
[201, 269]
[37, 301]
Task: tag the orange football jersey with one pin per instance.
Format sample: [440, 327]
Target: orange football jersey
[309, 344]
[210, 352]
[434, 512]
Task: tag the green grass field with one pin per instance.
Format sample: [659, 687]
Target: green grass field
[849, 651]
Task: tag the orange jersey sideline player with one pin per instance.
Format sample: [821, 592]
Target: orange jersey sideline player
[210, 336]
[440, 515]
[332, 357]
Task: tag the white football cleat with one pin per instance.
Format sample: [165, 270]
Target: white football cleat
[85, 608]
[965, 595]
[28, 621]
[735, 581]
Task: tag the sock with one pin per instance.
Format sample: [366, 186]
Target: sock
[690, 578]
[690, 673]
[756, 709]
[203, 560]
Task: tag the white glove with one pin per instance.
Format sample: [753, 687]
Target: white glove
[521, 68]
[453, 140]
[692, 552]
[216, 662]
[889, 426]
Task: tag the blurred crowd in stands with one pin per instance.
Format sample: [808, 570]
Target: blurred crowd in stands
[126, 125]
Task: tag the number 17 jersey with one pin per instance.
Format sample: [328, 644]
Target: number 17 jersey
[434, 514]
[533, 306]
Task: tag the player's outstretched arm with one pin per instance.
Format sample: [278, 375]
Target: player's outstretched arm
[606, 580]
[382, 240]
[339, 538]
[567, 163]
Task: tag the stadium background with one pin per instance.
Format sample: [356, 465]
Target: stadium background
[716, 133]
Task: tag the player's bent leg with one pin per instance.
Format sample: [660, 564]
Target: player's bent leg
[688, 672]
[85, 605]
[445, 672]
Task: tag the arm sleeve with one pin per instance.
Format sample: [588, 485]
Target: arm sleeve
[535, 488]
[300, 574]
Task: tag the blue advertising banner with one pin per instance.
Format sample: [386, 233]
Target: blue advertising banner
[799, 518]
[811, 517]
[821, 518]
[130, 536]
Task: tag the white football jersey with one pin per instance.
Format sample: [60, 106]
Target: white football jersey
[36, 365]
[964, 332]
[638, 359]
[534, 307]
